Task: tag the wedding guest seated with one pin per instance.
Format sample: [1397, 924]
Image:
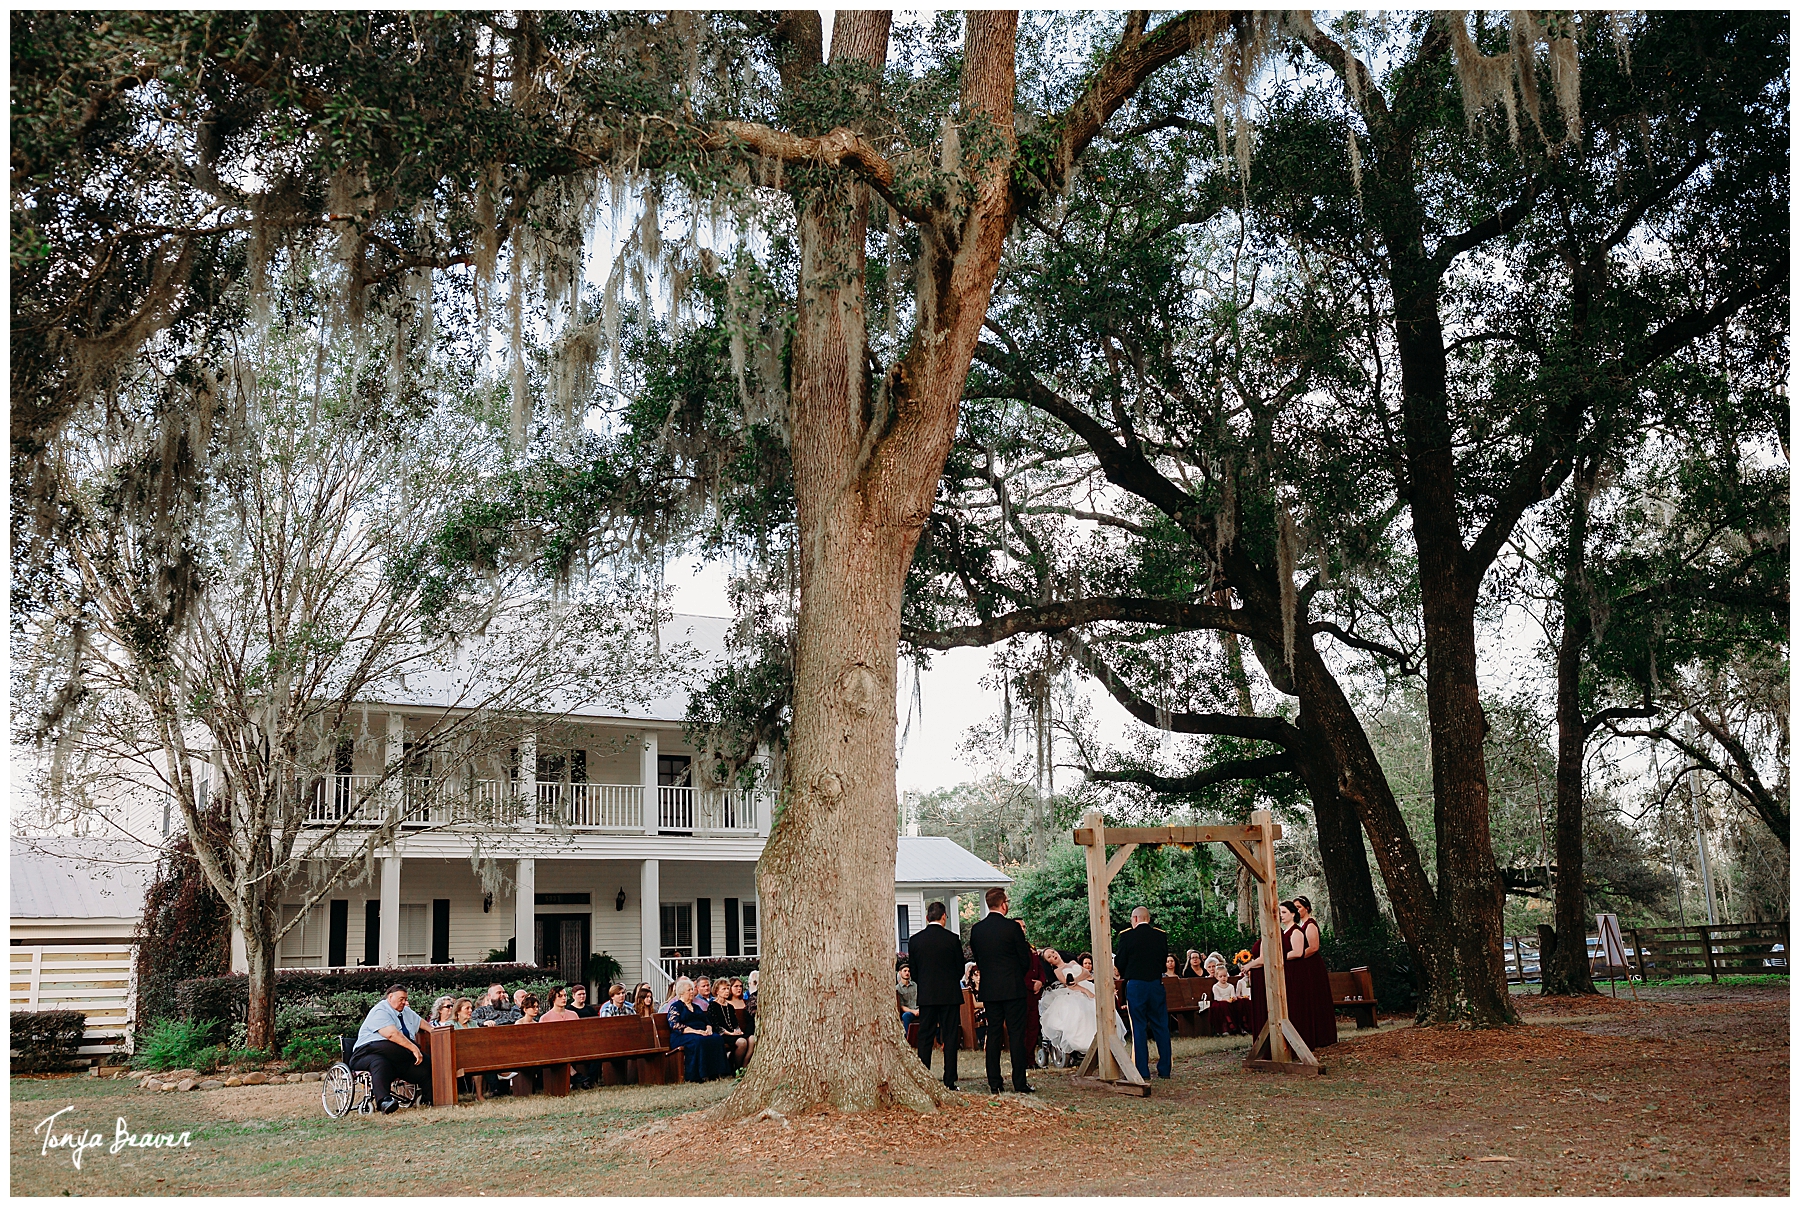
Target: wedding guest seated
[703, 1052]
[443, 1011]
[615, 1005]
[578, 1002]
[980, 1007]
[528, 1007]
[745, 1016]
[496, 1009]
[559, 1011]
[750, 986]
[1195, 967]
[1170, 968]
[908, 994]
[724, 1018]
[464, 1018]
[387, 1048]
[643, 1000]
[1231, 1009]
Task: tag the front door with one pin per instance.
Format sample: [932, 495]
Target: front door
[563, 945]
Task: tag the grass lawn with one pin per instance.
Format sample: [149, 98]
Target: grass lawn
[1685, 1092]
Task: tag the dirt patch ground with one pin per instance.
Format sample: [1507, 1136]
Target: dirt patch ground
[1685, 1092]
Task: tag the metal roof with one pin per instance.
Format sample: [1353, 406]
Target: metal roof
[79, 878]
[939, 861]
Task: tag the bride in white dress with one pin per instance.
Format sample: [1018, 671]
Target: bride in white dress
[1067, 1012]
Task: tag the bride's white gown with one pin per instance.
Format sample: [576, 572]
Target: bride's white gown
[1067, 1013]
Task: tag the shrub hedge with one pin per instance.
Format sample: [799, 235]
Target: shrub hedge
[227, 998]
[716, 966]
[46, 1041]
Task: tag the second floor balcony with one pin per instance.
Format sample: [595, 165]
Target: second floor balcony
[365, 800]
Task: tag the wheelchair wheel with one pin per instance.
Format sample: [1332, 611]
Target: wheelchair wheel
[338, 1090]
[405, 1093]
[1046, 1055]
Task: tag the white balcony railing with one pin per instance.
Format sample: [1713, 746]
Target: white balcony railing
[364, 800]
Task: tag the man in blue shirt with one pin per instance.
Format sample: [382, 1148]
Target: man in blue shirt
[388, 1047]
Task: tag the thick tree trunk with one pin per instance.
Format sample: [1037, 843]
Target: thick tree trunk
[1565, 970]
[1351, 903]
[1468, 883]
[864, 477]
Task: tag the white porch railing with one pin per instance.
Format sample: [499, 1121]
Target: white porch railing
[364, 800]
[591, 806]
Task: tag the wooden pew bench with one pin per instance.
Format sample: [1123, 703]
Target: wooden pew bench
[1185, 995]
[552, 1047]
[1355, 991]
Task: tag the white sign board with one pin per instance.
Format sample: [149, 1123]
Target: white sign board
[1612, 943]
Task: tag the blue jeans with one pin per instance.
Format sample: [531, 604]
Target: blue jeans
[1149, 1006]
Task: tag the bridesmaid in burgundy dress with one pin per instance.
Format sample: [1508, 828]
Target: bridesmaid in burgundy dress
[1292, 944]
[1311, 983]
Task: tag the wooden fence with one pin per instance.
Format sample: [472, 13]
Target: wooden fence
[100, 980]
[1657, 953]
[1670, 951]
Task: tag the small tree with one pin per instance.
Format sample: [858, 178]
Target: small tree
[233, 633]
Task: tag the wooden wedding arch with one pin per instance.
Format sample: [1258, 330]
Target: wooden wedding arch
[1108, 1065]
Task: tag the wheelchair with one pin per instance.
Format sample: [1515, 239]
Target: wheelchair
[345, 1090]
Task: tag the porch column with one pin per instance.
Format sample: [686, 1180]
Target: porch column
[652, 801]
[525, 909]
[953, 915]
[390, 912]
[650, 919]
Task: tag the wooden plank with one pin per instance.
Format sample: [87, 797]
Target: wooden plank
[1245, 856]
[1162, 835]
[1100, 941]
[1274, 954]
[1118, 860]
[1301, 1052]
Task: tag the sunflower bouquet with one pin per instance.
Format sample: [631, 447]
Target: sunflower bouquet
[1242, 957]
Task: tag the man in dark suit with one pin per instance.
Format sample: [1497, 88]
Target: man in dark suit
[935, 956]
[1004, 957]
[1142, 953]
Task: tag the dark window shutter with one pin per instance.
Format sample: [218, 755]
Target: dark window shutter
[732, 946]
[703, 927]
[440, 930]
[372, 932]
[338, 944]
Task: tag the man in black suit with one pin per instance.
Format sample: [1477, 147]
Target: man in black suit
[1141, 954]
[1003, 956]
[935, 956]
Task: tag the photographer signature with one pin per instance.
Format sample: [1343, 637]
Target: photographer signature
[77, 1143]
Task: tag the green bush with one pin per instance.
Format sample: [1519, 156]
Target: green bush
[225, 998]
[312, 1050]
[46, 1041]
[1052, 901]
[177, 1044]
[247, 1056]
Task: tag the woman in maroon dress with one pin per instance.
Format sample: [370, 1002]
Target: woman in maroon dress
[1310, 983]
[1292, 941]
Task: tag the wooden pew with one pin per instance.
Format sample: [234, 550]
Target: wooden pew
[552, 1047]
[967, 1038]
[1355, 991]
[1184, 996]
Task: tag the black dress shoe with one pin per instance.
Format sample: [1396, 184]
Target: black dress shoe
[387, 1106]
[993, 1089]
[1025, 1089]
[953, 1089]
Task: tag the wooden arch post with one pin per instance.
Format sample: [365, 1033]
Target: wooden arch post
[1109, 1064]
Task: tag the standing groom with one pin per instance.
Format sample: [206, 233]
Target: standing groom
[1003, 956]
[935, 956]
[1142, 953]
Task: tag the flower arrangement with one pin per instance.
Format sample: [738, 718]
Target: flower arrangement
[1242, 957]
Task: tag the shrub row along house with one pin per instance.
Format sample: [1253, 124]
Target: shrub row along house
[587, 833]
